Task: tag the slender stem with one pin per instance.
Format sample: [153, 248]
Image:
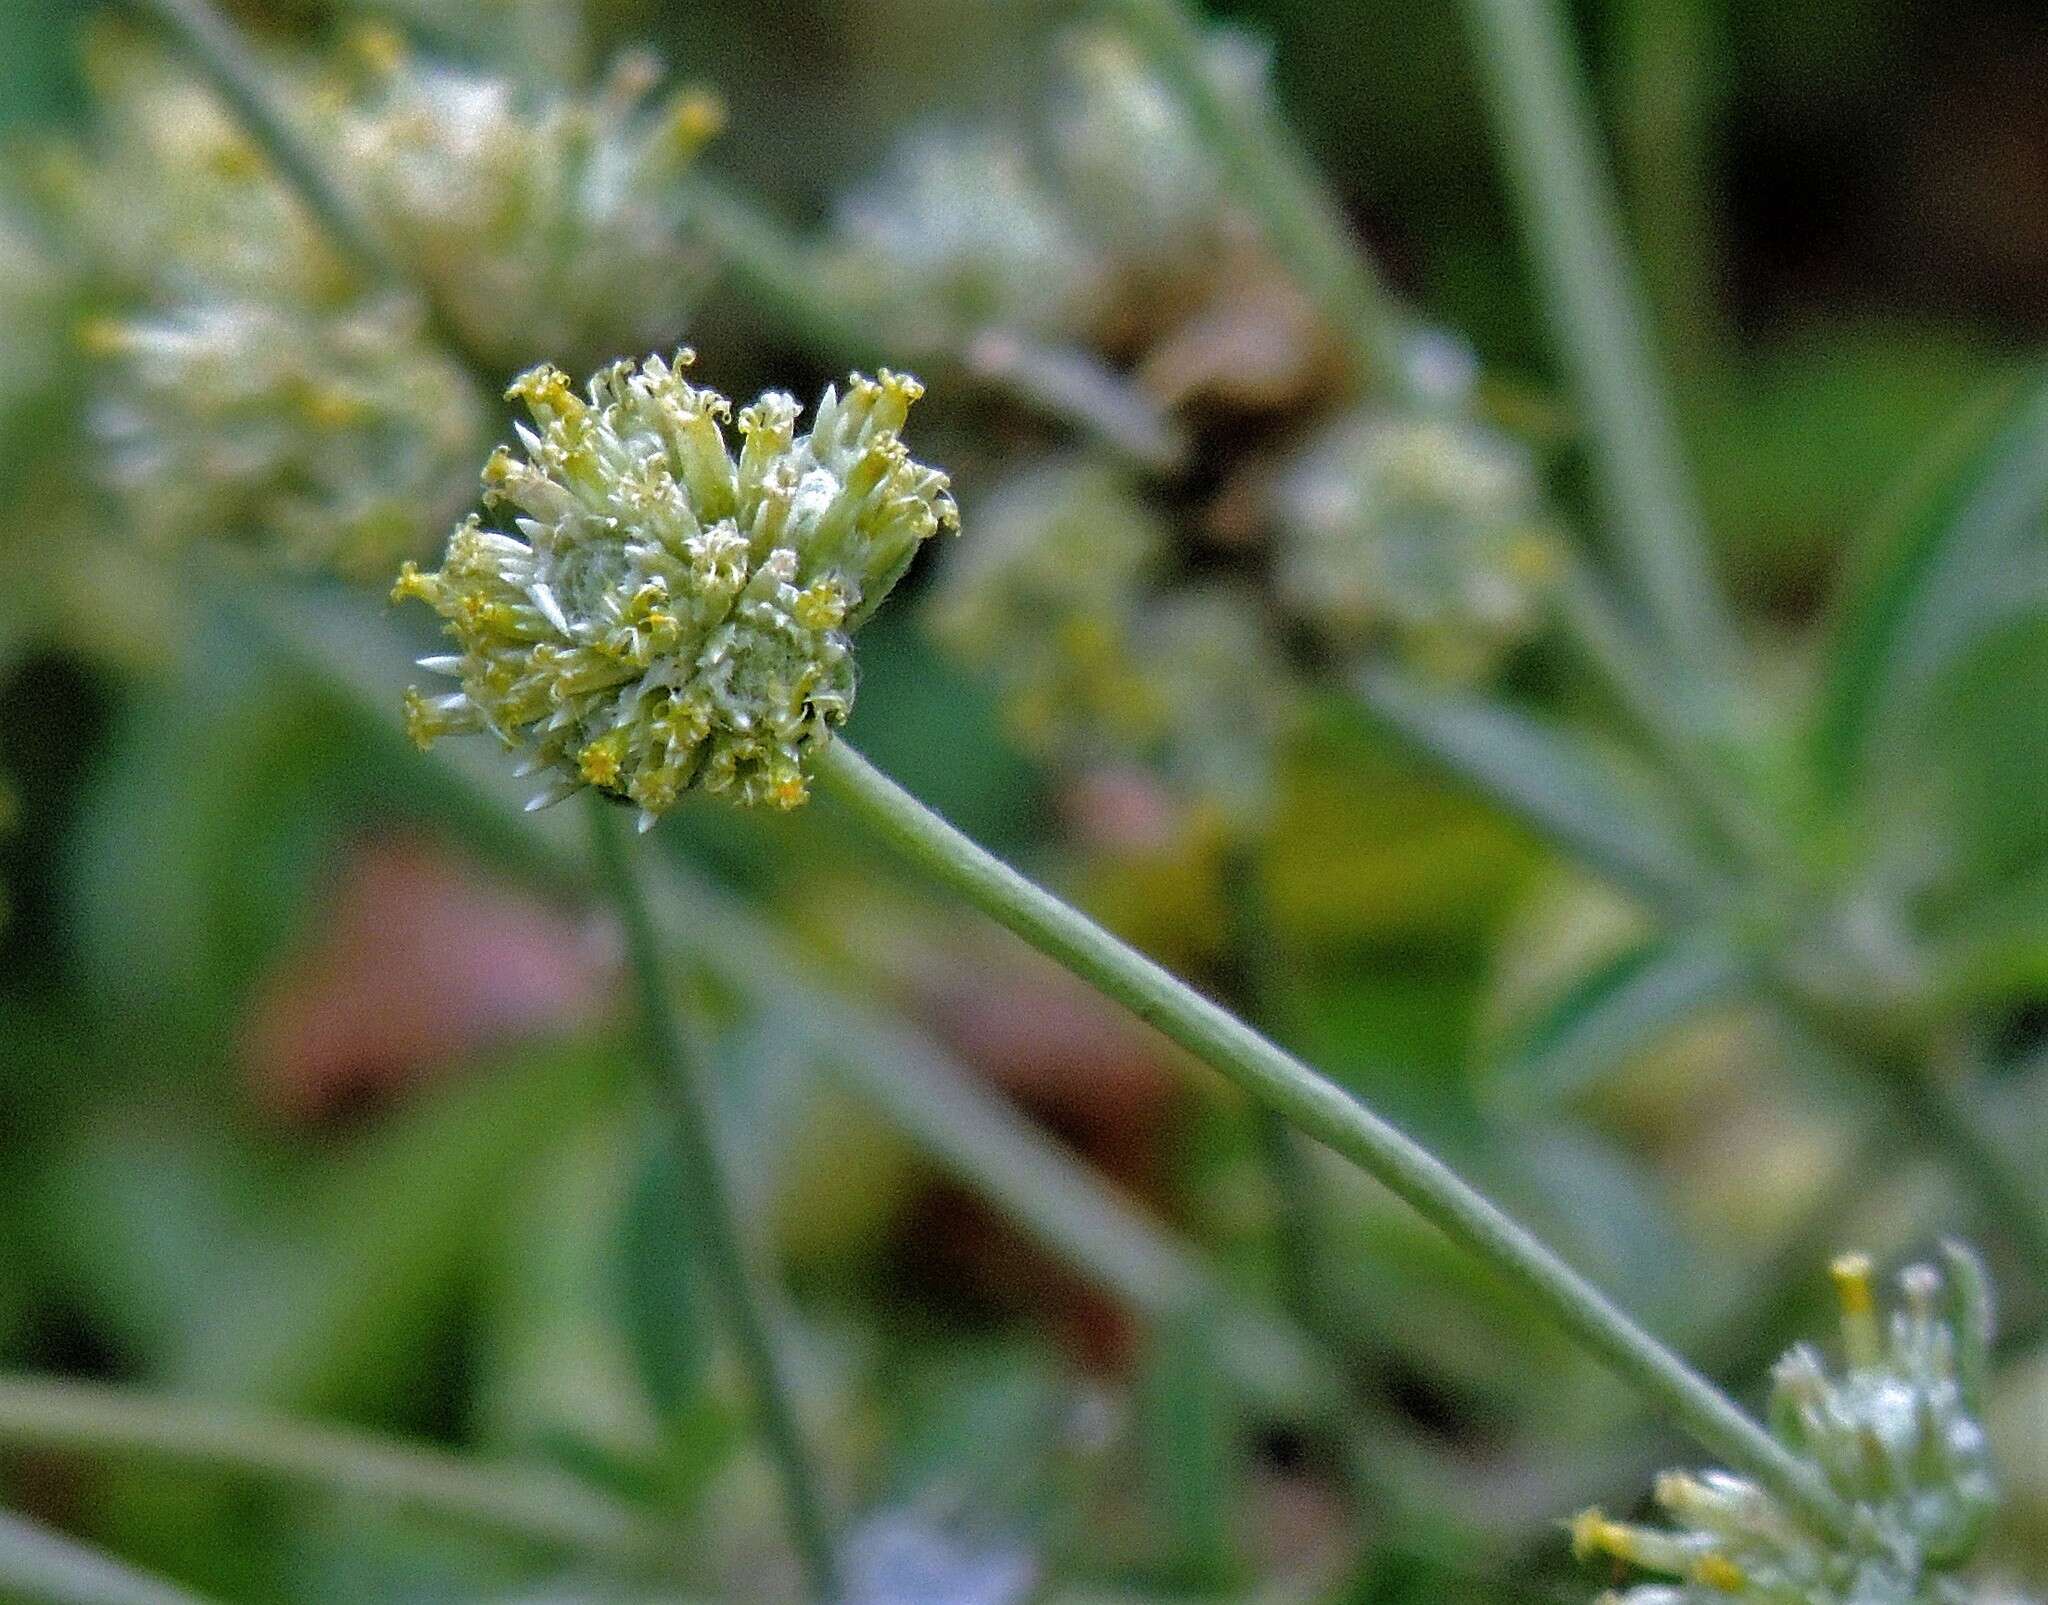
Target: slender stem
[678, 1067]
[1330, 1114]
[1274, 182]
[1669, 69]
[39, 1563]
[1568, 209]
[45, 1413]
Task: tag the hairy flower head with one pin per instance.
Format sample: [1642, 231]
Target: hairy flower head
[1896, 1434]
[1428, 529]
[329, 439]
[665, 613]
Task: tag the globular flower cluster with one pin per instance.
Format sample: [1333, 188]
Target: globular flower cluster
[1058, 601]
[958, 233]
[1041, 602]
[329, 439]
[1105, 222]
[668, 614]
[1423, 529]
[1897, 1434]
[168, 200]
[544, 220]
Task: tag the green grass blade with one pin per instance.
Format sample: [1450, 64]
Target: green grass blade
[1558, 790]
[41, 1567]
[1964, 548]
[1617, 1011]
[85, 1418]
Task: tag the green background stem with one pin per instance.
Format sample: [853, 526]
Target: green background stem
[1274, 182]
[85, 1418]
[1330, 1114]
[1597, 323]
[678, 1068]
[38, 1563]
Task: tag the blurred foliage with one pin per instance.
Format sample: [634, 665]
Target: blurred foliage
[447, 1226]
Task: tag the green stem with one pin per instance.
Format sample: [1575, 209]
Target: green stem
[678, 1067]
[1568, 210]
[38, 1563]
[1669, 71]
[1274, 182]
[77, 1417]
[1331, 1115]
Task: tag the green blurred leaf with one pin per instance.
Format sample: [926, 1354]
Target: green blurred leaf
[1965, 554]
[1615, 1012]
[371, 1249]
[37, 1564]
[1559, 788]
[1187, 1448]
[661, 1304]
[1794, 446]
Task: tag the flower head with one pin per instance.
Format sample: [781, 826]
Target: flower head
[1041, 601]
[1427, 528]
[1896, 1434]
[332, 439]
[544, 220]
[959, 232]
[669, 614]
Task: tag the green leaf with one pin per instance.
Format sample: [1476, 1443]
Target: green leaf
[37, 1564]
[661, 1302]
[375, 1246]
[1618, 1011]
[1189, 1458]
[1965, 552]
[1557, 787]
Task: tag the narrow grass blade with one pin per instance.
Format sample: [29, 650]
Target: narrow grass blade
[1619, 1010]
[1561, 792]
[41, 1567]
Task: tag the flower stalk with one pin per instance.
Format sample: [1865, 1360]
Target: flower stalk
[1333, 1116]
[673, 1057]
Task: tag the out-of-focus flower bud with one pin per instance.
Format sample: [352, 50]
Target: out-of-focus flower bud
[1040, 601]
[668, 614]
[1427, 530]
[543, 220]
[959, 233]
[328, 439]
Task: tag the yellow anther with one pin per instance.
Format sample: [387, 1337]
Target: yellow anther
[1852, 1278]
[1720, 1573]
[1593, 1534]
[697, 116]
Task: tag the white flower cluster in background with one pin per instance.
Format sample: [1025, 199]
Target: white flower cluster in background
[548, 223]
[1426, 529]
[328, 439]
